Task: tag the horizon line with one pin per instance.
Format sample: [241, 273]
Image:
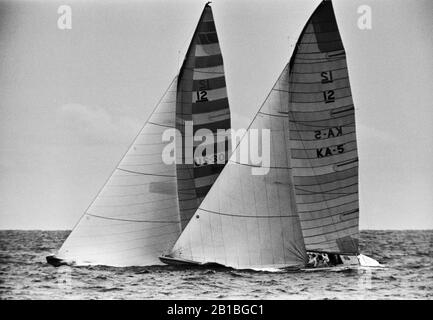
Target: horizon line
[370, 229]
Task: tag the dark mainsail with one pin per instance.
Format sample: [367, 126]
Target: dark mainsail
[323, 137]
[202, 100]
[144, 205]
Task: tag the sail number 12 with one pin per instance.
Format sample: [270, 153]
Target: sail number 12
[202, 96]
[201, 92]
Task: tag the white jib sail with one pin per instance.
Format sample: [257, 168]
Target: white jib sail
[135, 216]
[250, 221]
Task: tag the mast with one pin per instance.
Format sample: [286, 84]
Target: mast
[144, 205]
[323, 137]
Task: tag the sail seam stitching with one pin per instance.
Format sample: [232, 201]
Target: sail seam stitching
[244, 216]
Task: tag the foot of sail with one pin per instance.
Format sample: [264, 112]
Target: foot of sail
[189, 263]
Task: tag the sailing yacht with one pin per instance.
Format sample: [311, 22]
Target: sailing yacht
[303, 214]
[146, 203]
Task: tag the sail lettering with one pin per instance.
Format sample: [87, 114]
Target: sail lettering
[328, 133]
[209, 159]
[203, 85]
[329, 151]
[326, 77]
[202, 96]
[329, 96]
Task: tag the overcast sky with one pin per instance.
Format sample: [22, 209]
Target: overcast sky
[71, 101]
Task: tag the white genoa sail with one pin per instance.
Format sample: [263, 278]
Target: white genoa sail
[135, 216]
[142, 208]
[323, 137]
[249, 221]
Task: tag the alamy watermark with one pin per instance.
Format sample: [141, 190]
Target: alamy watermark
[250, 147]
[64, 22]
[64, 278]
[365, 19]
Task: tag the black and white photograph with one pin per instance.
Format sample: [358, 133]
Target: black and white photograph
[225, 150]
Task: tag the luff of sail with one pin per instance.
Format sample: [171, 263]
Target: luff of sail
[249, 221]
[144, 205]
[323, 137]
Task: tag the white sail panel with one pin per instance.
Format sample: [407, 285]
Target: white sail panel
[208, 73]
[250, 221]
[207, 49]
[323, 137]
[135, 217]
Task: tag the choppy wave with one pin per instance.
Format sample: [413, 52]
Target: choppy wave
[25, 275]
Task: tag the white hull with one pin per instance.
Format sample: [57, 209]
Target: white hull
[348, 263]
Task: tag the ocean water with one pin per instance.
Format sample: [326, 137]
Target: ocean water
[24, 274]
